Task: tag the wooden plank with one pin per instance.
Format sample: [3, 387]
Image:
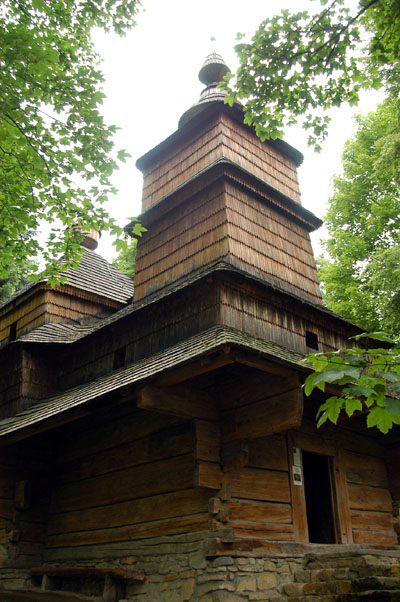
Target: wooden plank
[168, 443]
[169, 526]
[192, 405]
[268, 452]
[371, 521]
[234, 454]
[113, 432]
[200, 366]
[375, 537]
[264, 417]
[344, 436]
[257, 484]
[365, 470]
[207, 441]
[236, 391]
[262, 512]
[272, 532]
[141, 481]
[69, 571]
[341, 505]
[314, 443]
[369, 498]
[297, 496]
[262, 364]
[208, 475]
[393, 467]
[30, 594]
[158, 507]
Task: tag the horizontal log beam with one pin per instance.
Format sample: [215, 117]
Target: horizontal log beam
[191, 404]
[265, 417]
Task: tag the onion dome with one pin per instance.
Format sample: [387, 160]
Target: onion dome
[211, 73]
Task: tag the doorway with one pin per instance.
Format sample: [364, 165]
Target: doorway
[318, 491]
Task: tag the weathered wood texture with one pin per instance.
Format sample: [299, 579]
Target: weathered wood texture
[147, 331]
[363, 499]
[393, 464]
[369, 498]
[190, 237]
[268, 315]
[257, 500]
[222, 137]
[126, 478]
[268, 243]
[255, 497]
[25, 477]
[225, 221]
[43, 305]
[25, 376]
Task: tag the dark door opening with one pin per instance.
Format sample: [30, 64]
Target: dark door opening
[319, 498]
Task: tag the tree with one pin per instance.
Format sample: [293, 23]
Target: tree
[56, 153]
[17, 276]
[126, 259]
[361, 279]
[369, 381]
[298, 66]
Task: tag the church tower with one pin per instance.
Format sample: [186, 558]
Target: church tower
[218, 199]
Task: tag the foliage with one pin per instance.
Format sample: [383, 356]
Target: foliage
[17, 276]
[298, 66]
[369, 380]
[126, 259]
[361, 281]
[56, 153]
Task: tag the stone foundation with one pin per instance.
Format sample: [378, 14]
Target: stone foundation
[177, 569]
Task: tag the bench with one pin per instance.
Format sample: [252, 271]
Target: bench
[48, 578]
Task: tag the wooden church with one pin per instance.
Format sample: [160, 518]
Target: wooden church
[156, 445]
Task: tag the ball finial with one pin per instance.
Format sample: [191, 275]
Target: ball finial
[214, 69]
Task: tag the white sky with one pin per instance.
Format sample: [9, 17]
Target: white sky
[151, 79]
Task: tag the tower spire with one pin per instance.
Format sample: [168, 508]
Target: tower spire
[212, 72]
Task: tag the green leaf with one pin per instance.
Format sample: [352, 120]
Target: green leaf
[352, 405]
[380, 418]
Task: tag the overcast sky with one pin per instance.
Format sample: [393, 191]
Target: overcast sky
[151, 79]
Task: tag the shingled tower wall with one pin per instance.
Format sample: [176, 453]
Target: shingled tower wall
[214, 192]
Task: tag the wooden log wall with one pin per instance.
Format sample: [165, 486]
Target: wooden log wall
[25, 485]
[258, 483]
[266, 242]
[220, 298]
[369, 499]
[257, 498]
[63, 304]
[268, 315]
[363, 496]
[220, 137]
[27, 374]
[154, 327]
[126, 475]
[392, 457]
[10, 380]
[28, 312]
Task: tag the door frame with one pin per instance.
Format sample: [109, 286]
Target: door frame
[340, 499]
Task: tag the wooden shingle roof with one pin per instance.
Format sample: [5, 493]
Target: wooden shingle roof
[94, 275]
[43, 414]
[69, 333]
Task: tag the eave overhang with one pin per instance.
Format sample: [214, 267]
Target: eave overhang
[212, 348]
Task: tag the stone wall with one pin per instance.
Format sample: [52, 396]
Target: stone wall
[178, 568]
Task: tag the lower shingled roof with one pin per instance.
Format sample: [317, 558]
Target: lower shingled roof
[198, 345]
